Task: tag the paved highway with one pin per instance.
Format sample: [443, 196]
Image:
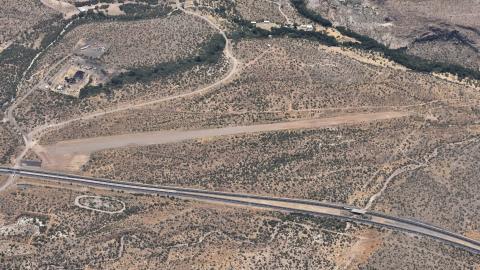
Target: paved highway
[309, 207]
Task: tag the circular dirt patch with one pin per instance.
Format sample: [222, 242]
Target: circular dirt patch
[100, 204]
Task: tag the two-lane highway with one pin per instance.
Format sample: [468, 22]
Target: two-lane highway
[309, 207]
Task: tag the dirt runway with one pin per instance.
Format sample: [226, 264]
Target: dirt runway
[68, 155]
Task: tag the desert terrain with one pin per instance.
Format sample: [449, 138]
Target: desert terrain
[370, 106]
[446, 30]
[176, 234]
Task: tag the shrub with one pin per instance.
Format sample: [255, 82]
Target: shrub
[397, 55]
[210, 52]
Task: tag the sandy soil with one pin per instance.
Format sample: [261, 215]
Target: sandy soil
[368, 242]
[3, 180]
[114, 10]
[453, 78]
[5, 45]
[67, 9]
[473, 235]
[371, 59]
[70, 155]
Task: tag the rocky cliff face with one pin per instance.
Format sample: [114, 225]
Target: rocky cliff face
[436, 29]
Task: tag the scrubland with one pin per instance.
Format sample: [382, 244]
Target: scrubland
[9, 143]
[158, 232]
[291, 79]
[423, 165]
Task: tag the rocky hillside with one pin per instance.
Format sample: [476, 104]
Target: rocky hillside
[448, 31]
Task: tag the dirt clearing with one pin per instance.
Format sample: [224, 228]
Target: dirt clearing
[67, 9]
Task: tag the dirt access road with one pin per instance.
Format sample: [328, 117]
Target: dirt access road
[30, 137]
[70, 155]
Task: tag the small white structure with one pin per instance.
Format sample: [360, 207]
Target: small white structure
[358, 211]
[306, 27]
